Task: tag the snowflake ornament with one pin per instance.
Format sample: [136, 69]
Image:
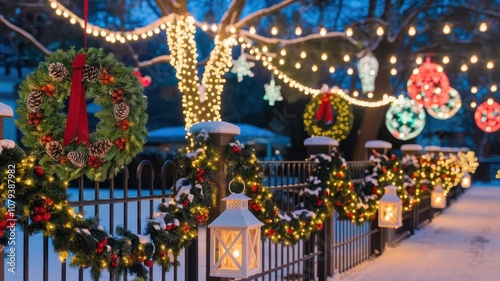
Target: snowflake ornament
[241, 67]
[273, 92]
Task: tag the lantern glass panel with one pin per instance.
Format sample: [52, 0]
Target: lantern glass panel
[389, 212]
[254, 249]
[438, 199]
[228, 249]
[466, 180]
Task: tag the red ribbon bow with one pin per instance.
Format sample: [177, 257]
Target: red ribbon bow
[77, 112]
[325, 112]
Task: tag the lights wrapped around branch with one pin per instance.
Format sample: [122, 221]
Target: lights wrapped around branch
[429, 85]
[368, 69]
[487, 116]
[447, 110]
[405, 119]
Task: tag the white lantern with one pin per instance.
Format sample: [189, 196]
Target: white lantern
[466, 180]
[438, 197]
[368, 70]
[390, 212]
[235, 246]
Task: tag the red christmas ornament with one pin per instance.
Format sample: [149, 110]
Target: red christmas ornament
[255, 188]
[148, 263]
[487, 116]
[236, 149]
[271, 232]
[199, 175]
[185, 202]
[46, 216]
[429, 85]
[48, 201]
[2, 233]
[319, 226]
[36, 218]
[39, 171]
[338, 203]
[289, 231]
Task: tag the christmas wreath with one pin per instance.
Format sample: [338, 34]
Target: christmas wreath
[328, 114]
[415, 182]
[120, 132]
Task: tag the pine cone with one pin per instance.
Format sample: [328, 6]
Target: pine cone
[91, 73]
[55, 150]
[58, 71]
[34, 100]
[121, 111]
[100, 148]
[78, 159]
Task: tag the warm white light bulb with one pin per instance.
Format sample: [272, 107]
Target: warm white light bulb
[322, 31]
[347, 58]
[298, 31]
[393, 60]
[483, 27]
[350, 71]
[419, 60]
[394, 71]
[412, 31]
[324, 56]
[493, 88]
[380, 31]
[283, 52]
[446, 60]
[297, 65]
[464, 67]
[349, 32]
[314, 68]
[252, 30]
[332, 69]
[473, 59]
[490, 65]
[446, 29]
[274, 30]
[303, 54]
[473, 89]
[473, 104]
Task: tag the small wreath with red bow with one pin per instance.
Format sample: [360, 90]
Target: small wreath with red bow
[329, 115]
[72, 150]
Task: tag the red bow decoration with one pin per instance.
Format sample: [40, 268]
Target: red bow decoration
[325, 112]
[77, 112]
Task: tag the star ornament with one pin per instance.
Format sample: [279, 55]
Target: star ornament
[273, 92]
[241, 67]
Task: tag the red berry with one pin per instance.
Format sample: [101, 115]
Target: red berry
[41, 210]
[36, 218]
[120, 91]
[46, 216]
[48, 201]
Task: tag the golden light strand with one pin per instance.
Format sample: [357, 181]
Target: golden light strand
[114, 36]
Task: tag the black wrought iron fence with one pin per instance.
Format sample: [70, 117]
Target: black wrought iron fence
[338, 247]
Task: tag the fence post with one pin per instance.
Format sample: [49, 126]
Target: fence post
[221, 134]
[410, 153]
[316, 145]
[5, 112]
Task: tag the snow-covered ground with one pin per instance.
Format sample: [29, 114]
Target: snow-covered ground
[461, 244]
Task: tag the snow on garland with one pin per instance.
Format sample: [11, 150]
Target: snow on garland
[120, 133]
[385, 171]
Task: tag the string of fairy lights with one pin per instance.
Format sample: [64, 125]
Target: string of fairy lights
[220, 61]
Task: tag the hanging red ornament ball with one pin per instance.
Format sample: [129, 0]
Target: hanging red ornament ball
[429, 85]
[487, 116]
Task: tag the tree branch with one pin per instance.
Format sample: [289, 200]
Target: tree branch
[411, 18]
[233, 12]
[26, 35]
[287, 42]
[264, 12]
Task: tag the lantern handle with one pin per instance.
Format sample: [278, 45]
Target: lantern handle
[237, 179]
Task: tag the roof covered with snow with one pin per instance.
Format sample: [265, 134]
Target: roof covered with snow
[221, 127]
[432, 148]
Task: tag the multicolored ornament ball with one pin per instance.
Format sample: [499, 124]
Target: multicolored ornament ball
[447, 110]
[405, 119]
[487, 116]
[429, 85]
